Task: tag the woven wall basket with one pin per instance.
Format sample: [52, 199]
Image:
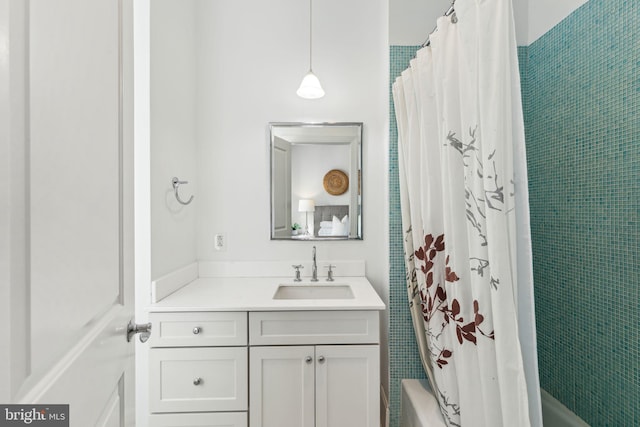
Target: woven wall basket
[336, 182]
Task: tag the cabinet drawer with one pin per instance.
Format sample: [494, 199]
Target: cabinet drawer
[313, 327]
[191, 329]
[231, 419]
[198, 379]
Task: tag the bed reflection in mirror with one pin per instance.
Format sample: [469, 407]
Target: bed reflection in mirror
[316, 190]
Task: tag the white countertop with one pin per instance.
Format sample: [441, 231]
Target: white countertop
[256, 294]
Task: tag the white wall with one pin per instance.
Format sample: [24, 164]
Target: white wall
[242, 62]
[546, 14]
[252, 57]
[173, 134]
[521, 21]
[411, 21]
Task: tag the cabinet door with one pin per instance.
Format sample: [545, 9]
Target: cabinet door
[198, 379]
[282, 386]
[348, 386]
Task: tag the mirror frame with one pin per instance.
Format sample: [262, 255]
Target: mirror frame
[354, 173]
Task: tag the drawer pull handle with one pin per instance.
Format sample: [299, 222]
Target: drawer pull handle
[308, 359]
[197, 381]
[321, 359]
[197, 330]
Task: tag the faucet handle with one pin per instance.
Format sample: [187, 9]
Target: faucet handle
[330, 272]
[297, 267]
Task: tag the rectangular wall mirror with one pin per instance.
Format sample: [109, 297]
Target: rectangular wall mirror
[316, 189]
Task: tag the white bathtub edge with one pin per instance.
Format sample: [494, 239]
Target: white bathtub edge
[555, 414]
[418, 406]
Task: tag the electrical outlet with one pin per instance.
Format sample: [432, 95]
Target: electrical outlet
[220, 242]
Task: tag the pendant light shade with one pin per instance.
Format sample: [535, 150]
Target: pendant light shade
[310, 88]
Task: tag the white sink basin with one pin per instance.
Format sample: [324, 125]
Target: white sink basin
[315, 291]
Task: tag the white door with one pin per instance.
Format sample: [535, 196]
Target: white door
[281, 386]
[281, 188]
[71, 207]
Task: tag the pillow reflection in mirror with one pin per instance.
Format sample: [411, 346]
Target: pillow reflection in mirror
[340, 226]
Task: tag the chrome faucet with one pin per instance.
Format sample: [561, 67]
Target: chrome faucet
[314, 268]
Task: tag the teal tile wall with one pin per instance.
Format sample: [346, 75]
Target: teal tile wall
[582, 117]
[404, 359]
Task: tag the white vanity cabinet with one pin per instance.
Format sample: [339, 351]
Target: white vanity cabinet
[314, 369]
[198, 369]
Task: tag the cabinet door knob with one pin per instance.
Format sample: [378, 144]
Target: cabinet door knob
[308, 359]
[197, 381]
[321, 359]
[197, 330]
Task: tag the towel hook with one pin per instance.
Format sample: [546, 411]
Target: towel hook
[176, 183]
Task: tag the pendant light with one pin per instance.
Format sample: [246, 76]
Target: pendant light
[310, 87]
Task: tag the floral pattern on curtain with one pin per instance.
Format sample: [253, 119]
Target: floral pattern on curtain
[465, 215]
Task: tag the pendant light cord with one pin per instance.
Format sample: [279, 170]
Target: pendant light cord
[310, 33]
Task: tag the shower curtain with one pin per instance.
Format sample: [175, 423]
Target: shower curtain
[465, 217]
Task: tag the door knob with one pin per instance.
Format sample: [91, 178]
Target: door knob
[197, 330]
[144, 329]
[308, 359]
[321, 359]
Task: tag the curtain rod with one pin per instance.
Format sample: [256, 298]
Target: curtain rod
[449, 12]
